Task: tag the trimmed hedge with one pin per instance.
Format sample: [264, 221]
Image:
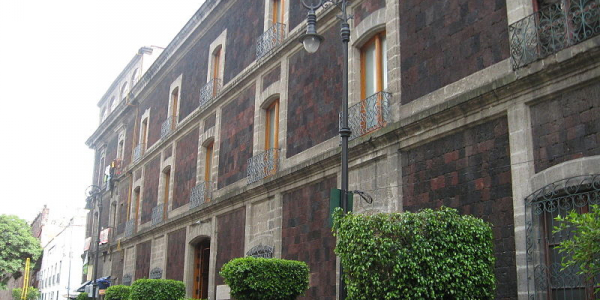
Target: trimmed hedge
[117, 292]
[157, 289]
[252, 278]
[425, 255]
[82, 296]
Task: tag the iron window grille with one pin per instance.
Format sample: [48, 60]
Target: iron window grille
[168, 126]
[269, 40]
[138, 151]
[553, 28]
[261, 251]
[157, 214]
[369, 114]
[129, 228]
[210, 91]
[156, 273]
[262, 165]
[545, 274]
[201, 193]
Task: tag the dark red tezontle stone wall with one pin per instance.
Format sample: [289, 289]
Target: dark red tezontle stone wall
[151, 176]
[230, 240]
[306, 235]
[566, 127]
[444, 41]
[470, 171]
[142, 259]
[176, 254]
[186, 154]
[237, 125]
[314, 88]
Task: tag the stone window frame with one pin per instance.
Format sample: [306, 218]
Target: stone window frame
[372, 25]
[174, 111]
[220, 41]
[101, 164]
[208, 173]
[135, 77]
[112, 103]
[165, 189]
[124, 91]
[143, 134]
[120, 143]
[272, 101]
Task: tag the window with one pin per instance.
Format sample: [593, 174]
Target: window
[135, 77]
[167, 181]
[136, 208]
[104, 113]
[272, 126]
[113, 103]
[120, 149]
[215, 69]
[143, 133]
[174, 103]
[373, 66]
[208, 162]
[124, 91]
[373, 81]
[101, 167]
[550, 279]
[277, 11]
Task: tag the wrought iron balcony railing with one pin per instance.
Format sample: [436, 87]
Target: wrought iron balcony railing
[201, 193]
[262, 165]
[168, 126]
[129, 228]
[369, 114]
[209, 91]
[158, 213]
[138, 151]
[551, 29]
[269, 40]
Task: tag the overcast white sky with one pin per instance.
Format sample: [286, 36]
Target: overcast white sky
[57, 58]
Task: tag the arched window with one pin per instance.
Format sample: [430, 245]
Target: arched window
[135, 77]
[272, 125]
[113, 103]
[124, 90]
[373, 73]
[373, 66]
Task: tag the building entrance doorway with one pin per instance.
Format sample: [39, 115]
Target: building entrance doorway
[201, 261]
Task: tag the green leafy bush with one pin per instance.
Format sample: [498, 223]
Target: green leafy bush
[82, 296]
[425, 255]
[583, 249]
[32, 293]
[117, 292]
[157, 289]
[265, 278]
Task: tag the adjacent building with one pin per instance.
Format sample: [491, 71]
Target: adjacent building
[61, 263]
[228, 144]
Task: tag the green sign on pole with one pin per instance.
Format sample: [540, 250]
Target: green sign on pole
[335, 200]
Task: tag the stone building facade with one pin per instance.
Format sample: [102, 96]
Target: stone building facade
[228, 144]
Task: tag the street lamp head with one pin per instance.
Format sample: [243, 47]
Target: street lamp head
[311, 40]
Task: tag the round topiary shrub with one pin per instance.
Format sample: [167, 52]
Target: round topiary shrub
[252, 278]
[157, 289]
[425, 255]
[117, 292]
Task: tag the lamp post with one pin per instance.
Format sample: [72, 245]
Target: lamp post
[311, 41]
[92, 192]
